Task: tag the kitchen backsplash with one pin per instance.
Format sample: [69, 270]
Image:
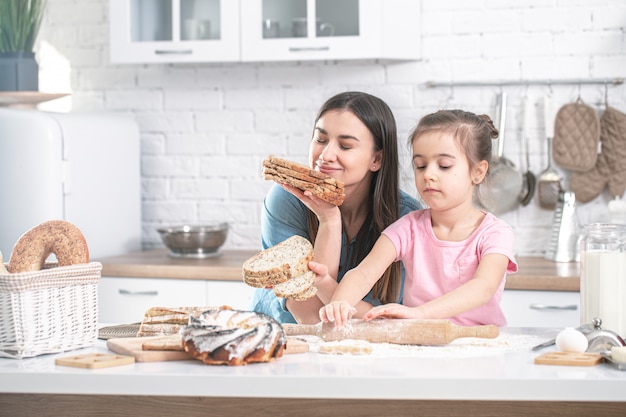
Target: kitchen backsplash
[206, 127]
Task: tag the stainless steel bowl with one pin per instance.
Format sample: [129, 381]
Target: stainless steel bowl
[202, 241]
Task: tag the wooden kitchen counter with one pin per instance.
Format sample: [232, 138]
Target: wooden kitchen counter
[534, 273]
[541, 274]
[157, 263]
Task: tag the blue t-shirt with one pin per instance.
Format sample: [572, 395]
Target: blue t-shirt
[284, 216]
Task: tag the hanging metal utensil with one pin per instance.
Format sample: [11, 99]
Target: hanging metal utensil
[529, 180]
[549, 181]
[506, 180]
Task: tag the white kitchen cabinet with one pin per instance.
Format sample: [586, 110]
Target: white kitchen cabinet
[293, 30]
[541, 308]
[178, 31]
[124, 300]
[157, 31]
[235, 294]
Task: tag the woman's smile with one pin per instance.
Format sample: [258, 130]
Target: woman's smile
[328, 170]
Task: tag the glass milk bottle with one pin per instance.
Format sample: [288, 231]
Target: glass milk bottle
[603, 276]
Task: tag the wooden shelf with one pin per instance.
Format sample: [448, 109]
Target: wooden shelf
[26, 99]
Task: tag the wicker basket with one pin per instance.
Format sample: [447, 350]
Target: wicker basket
[49, 311]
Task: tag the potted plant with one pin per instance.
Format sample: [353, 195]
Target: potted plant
[20, 21]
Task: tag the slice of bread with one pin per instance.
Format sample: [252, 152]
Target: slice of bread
[169, 342]
[275, 161]
[306, 294]
[264, 282]
[300, 176]
[288, 259]
[332, 197]
[295, 285]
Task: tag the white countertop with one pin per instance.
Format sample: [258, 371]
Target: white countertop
[471, 369]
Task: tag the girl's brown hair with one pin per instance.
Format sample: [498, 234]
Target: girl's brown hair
[385, 192]
[473, 133]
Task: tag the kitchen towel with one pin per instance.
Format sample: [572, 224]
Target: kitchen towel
[576, 137]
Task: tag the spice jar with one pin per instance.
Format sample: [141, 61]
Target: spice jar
[603, 275]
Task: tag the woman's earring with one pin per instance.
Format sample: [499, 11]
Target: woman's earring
[477, 180]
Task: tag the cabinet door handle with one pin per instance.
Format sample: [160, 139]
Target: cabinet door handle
[308, 48]
[126, 292]
[535, 306]
[173, 51]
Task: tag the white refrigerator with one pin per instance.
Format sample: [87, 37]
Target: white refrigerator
[79, 167]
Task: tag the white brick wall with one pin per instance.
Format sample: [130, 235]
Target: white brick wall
[206, 127]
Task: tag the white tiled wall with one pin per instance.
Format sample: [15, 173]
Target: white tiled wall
[206, 127]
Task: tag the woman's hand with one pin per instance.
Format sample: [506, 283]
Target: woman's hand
[322, 209]
[393, 311]
[337, 311]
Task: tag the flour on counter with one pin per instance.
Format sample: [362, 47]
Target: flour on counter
[463, 347]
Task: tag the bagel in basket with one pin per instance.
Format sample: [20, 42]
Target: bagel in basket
[283, 267]
[58, 237]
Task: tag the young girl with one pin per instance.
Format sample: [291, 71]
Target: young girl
[456, 256]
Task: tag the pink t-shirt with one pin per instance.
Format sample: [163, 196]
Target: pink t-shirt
[435, 267]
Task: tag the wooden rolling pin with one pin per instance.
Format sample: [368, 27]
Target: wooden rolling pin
[400, 331]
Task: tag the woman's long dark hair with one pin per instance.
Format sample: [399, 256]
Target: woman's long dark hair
[385, 191]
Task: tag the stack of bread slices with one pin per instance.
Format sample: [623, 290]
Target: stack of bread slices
[284, 268]
[304, 178]
[162, 321]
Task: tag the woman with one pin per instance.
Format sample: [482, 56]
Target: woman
[355, 141]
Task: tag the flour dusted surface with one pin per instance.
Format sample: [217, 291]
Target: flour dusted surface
[464, 347]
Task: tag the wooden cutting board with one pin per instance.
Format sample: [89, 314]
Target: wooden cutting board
[94, 360]
[568, 358]
[429, 332]
[132, 346]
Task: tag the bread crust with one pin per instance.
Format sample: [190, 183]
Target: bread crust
[60, 237]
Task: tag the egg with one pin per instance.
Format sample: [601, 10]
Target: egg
[571, 340]
[618, 353]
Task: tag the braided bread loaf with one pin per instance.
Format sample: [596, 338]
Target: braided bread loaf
[233, 337]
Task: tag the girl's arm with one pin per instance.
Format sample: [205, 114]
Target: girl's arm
[356, 283]
[474, 293]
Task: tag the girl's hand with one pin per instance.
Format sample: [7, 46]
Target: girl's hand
[393, 311]
[337, 311]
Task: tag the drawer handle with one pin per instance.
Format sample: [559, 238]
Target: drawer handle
[126, 292]
[535, 306]
[173, 52]
[309, 49]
